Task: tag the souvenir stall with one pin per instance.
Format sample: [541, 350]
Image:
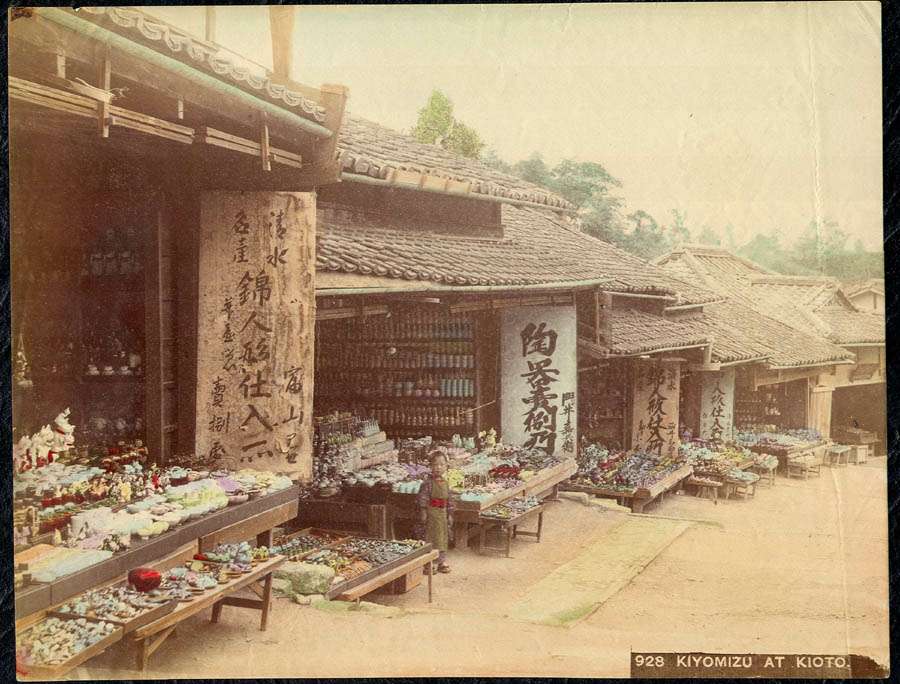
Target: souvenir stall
[651, 466]
[117, 481]
[773, 419]
[396, 385]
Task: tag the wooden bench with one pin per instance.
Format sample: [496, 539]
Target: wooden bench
[509, 529]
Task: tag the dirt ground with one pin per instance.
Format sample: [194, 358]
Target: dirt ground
[802, 567]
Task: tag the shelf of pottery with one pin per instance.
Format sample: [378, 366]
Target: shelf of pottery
[416, 373]
[603, 404]
[82, 333]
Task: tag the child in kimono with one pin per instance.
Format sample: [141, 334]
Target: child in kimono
[435, 510]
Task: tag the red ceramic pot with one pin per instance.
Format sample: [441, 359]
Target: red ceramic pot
[144, 579]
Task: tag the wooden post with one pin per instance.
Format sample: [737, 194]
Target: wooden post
[281, 25]
[103, 81]
[597, 316]
[60, 62]
[264, 151]
[211, 23]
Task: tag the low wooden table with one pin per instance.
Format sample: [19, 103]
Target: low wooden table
[644, 496]
[766, 473]
[703, 488]
[151, 636]
[837, 455]
[510, 528]
[356, 589]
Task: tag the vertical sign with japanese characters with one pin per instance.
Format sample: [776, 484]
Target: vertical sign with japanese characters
[655, 407]
[255, 335]
[717, 405]
[539, 376]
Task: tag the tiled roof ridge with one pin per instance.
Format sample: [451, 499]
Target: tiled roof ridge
[425, 233]
[498, 184]
[208, 57]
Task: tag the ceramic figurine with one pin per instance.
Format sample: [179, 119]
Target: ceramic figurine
[64, 433]
[42, 445]
[22, 455]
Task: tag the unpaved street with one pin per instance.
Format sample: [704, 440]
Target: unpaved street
[800, 568]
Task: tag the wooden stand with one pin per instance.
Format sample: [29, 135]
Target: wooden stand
[509, 529]
[150, 637]
[703, 489]
[645, 496]
[837, 455]
[404, 569]
[766, 473]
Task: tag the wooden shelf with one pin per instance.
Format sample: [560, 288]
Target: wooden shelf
[391, 402]
[405, 371]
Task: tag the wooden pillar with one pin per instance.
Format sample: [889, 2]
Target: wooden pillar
[820, 409]
[281, 24]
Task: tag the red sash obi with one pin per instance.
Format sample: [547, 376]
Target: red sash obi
[439, 503]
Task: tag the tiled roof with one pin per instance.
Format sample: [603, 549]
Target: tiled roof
[740, 333]
[796, 301]
[852, 287]
[637, 332]
[849, 327]
[370, 150]
[536, 248]
[134, 23]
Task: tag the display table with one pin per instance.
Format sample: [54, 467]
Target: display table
[704, 488]
[544, 485]
[406, 567]
[802, 464]
[254, 518]
[837, 455]
[150, 637]
[786, 453]
[623, 497]
[766, 473]
[644, 496]
[509, 528]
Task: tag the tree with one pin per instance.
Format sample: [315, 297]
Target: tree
[435, 119]
[821, 245]
[534, 170]
[709, 236]
[436, 125]
[492, 159]
[464, 140]
[646, 238]
[679, 233]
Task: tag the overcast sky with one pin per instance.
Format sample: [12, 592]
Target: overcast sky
[759, 115]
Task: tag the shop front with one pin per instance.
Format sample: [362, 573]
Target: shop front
[488, 381]
[126, 245]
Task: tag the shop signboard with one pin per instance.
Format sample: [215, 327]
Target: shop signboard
[655, 407]
[539, 378]
[717, 405]
[256, 326]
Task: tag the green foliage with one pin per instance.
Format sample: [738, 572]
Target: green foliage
[464, 140]
[709, 236]
[435, 119]
[437, 125]
[679, 233]
[820, 245]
